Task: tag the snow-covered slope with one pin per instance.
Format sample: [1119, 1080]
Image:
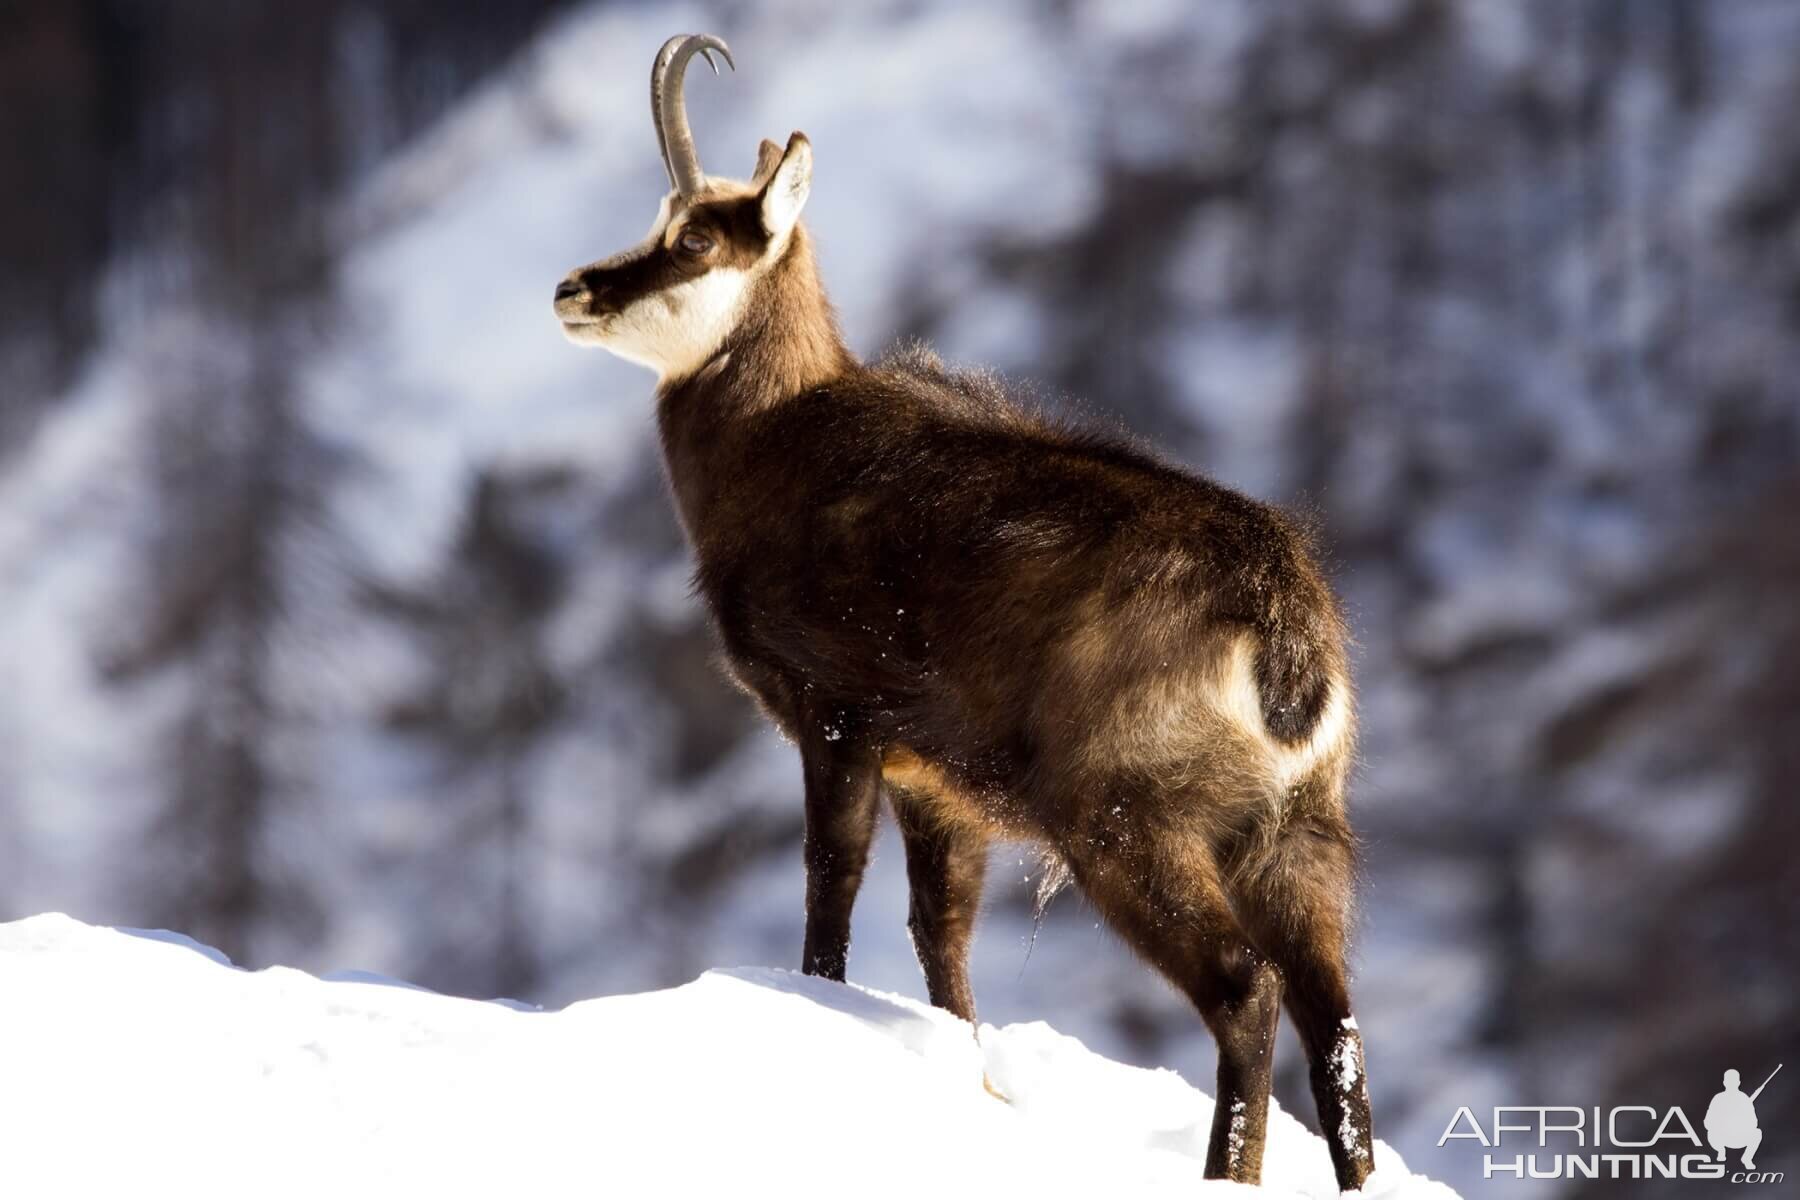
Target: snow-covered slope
[138, 1058]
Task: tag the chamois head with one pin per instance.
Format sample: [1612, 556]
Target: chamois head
[670, 302]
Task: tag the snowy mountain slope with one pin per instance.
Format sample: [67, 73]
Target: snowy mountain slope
[188, 1071]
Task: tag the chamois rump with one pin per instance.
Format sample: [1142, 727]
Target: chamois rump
[1014, 628]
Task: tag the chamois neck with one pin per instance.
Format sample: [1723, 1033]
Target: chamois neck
[788, 342]
[787, 345]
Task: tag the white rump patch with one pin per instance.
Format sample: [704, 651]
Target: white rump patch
[1241, 701]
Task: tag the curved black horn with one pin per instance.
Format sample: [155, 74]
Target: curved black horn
[668, 109]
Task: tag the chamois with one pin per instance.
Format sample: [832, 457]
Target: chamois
[1013, 627]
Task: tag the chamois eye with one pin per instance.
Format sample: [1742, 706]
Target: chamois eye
[693, 243]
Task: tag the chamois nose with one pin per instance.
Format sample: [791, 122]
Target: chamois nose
[568, 289]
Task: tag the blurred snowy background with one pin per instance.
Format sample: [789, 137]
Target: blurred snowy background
[343, 619]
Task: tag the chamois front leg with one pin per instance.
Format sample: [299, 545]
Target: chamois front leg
[842, 788]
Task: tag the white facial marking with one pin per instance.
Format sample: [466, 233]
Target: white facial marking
[674, 331]
[594, 333]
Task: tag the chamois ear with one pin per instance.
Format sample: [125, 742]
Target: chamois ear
[785, 194]
[768, 157]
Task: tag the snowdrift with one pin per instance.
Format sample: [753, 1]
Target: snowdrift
[136, 1059]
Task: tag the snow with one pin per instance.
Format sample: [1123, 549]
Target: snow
[135, 1055]
[1347, 1062]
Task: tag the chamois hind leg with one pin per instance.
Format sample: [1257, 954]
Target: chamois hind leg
[945, 865]
[842, 799]
[1294, 898]
[1160, 891]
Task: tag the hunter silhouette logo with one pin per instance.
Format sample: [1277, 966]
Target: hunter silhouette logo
[1731, 1120]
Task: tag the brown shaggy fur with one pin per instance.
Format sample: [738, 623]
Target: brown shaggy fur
[1024, 630]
